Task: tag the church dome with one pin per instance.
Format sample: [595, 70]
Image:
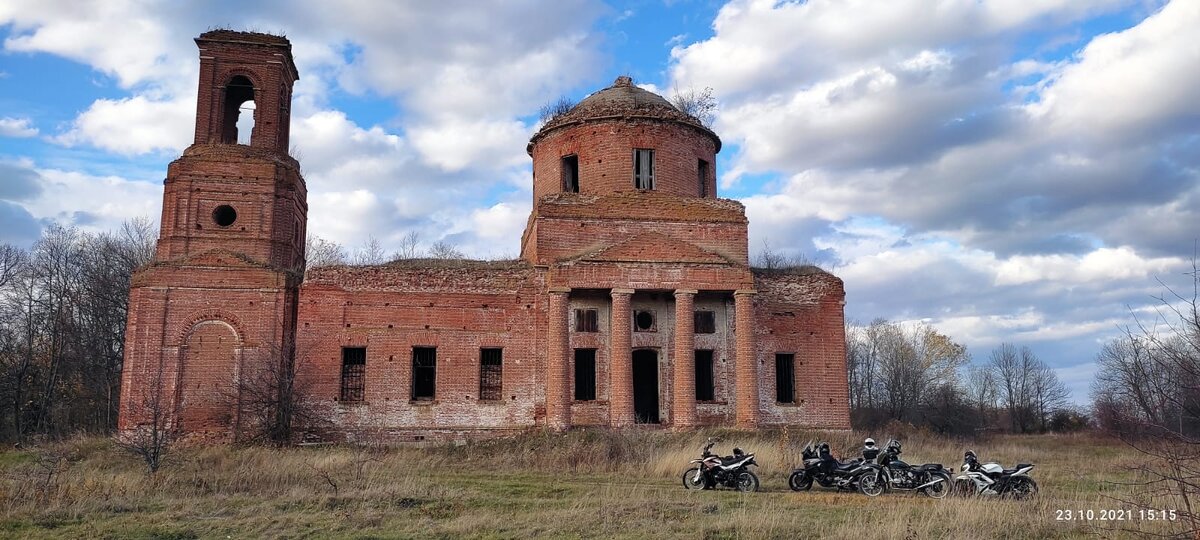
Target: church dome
[623, 100]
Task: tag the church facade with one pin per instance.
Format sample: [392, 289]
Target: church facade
[633, 301]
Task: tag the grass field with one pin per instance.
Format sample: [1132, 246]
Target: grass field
[581, 484]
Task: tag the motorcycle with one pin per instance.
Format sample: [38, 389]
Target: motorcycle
[930, 479]
[992, 479]
[712, 470]
[857, 474]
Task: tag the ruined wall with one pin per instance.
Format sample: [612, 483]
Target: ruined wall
[802, 313]
[194, 349]
[457, 307]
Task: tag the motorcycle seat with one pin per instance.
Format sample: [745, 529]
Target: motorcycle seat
[848, 465]
[930, 467]
[1017, 468]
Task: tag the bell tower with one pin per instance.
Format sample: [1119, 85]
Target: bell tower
[237, 68]
[218, 304]
[236, 190]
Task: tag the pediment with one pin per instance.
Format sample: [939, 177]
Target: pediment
[652, 247]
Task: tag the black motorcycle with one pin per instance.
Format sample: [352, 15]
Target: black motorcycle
[930, 479]
[820, 467]
[712, 470]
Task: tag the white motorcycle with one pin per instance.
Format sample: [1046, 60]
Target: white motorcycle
[992, 479]
[712, 470]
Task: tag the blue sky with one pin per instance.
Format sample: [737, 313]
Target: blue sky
[1004, 170]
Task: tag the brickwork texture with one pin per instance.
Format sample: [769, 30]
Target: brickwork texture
[595, 325]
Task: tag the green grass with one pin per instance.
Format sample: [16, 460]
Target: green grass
[585, 484]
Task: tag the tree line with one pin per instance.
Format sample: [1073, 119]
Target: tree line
[914, 374]
[63, 305]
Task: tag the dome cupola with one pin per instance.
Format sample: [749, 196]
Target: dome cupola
[624, 139]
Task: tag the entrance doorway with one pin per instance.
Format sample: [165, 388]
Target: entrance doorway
[645, 386]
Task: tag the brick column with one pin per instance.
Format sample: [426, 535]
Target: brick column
[683, 406]
[746, 367]
[620, 360]
[558, 404]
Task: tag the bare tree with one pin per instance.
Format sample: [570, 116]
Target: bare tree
[1147, 392]
[899, 370]
[320, 252]
[699, 104]
[11, 260]
[410, 246]
[981, 390]
[770, 259]
[370, 253]
[274, 398]
[1049, 394]
[555, 109]
[445, 250]
[156, 429]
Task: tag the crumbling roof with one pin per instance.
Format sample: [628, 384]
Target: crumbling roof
[624, 100]
[222, 34]
[459, 275]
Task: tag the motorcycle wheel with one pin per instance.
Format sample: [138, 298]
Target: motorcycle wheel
[1022, 489]
[747, 482]
[693, 479]
[870, 484]
[800, 481]
[963, 488]
[938, 490]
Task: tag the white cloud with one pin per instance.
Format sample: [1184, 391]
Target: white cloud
[1131, 83]
[98, 203]
[453, 145]
[17, 127]
[119, 37]
[1103, 264]
[135, 125]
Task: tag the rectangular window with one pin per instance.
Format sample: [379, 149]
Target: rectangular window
[706, 322]
[704, 376]
[354, 373]
[424, 373]
[702, 177]
[586, 320]
[643, 168]
[570, 174]
[785, 377]
[491, 374]
[585, 374]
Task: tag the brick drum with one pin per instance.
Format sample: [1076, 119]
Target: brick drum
[633, 301]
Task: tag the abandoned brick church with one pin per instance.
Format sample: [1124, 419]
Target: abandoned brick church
[633, 301]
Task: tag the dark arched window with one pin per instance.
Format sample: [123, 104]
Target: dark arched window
[238, 92]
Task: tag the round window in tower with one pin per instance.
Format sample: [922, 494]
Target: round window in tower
[643, 321]
[224, 215]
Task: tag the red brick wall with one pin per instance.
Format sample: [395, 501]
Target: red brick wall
[457, 308]
[266, 191]
[803, 315]
[170, 340]
[605, 151]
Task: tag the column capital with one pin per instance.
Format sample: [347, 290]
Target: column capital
[689, 292]
[745, 292]
[622, 291]
[558, 290]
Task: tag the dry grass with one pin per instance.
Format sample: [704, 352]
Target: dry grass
[582, 484]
